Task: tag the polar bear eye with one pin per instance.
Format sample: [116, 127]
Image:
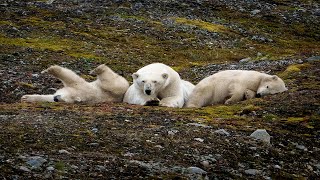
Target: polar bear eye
[143, 81]
[154, 82]
[267, 87]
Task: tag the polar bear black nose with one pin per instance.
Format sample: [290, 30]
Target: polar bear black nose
[148, 92]
[258, 95]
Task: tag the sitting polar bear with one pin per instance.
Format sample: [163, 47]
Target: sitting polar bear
[232, 86]
[109, 87]
[158, 82]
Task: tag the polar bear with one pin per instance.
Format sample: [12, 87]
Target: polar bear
[109, 87]
[158, 82]
[232, 86]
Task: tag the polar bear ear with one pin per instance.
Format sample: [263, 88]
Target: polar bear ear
[275, 77]
[165, 76]
[135, 75]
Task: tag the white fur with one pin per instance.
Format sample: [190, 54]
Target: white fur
[232, 86]
[162, 83]
[109, 87]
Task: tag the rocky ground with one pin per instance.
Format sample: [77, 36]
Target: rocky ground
[196, 38]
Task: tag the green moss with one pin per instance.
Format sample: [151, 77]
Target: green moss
[78, 49]
[202, 25]
[270, 117]
[292, 70]
[291, 40]
[220, 111]
[27, 85]
[60, 166]
[2, 23]
[295, 119]
[38, 22]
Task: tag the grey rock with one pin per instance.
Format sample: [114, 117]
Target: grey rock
[35, 75]
[100, 168]
[25, 169]
[63, 151]
[254, 12]
[252, 172]
[317, 12]
[159, 146]
[277, 167]
[241, 165]
[205, 164]
[222, 132]
[314, 58]
[93, 144]
[253, 148]
[36, 161]
[208, 158]
[198, 125]
[195, 170]
[301, 147]
[245, 60]
[50, 168]
[94, 130]
[50, 1]
[172, 132]
[74, 167]
[317, 166]
[199, 139]
[262, 135]
[141, 164]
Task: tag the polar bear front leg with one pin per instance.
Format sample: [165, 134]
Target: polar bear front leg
[37, 98]
[173, 101]
[249, 94]
[236, 96]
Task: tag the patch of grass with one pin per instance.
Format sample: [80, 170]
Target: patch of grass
[292, 70]
[38, 22]
[269, 117]
[202, 24]
[220, 111]
[27, 85]
[77, 49]
[60, 166]
[295, 119]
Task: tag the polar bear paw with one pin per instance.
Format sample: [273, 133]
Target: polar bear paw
[249, 94]
[51, 69]
[27, 98]
[153, 102]
[169, 104]
[99, 70]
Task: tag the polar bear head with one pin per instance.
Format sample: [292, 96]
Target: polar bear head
[271, 85]
[150, 83]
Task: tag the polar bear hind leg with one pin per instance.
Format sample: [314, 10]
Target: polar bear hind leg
[68, 77]
[37, 98]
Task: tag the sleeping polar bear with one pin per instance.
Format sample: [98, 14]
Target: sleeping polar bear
[109, 87]
[231, 86]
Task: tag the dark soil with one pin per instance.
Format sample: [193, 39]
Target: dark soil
[196, 38]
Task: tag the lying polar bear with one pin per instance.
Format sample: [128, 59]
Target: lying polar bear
[109, 87]
[232, 86]
[158, 82]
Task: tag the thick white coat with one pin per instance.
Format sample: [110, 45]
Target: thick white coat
[232, 86]
[109, 87]
[158, 81]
